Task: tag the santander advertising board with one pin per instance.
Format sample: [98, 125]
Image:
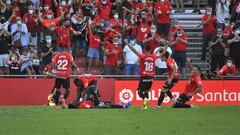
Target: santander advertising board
[215, 92]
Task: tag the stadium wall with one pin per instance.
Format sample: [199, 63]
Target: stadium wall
[215, 92]
[34, 91]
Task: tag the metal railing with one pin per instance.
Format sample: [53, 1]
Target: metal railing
[235, 77]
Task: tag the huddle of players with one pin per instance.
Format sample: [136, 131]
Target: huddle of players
[87, 95]
[63, 61]
[147, 71]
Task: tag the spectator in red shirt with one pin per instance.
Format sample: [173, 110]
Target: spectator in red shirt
[152, 38]
[143, 28]
[228, 69]
[131, 28]
[228, 30]
[117, 25]
[30, 19]
[163, 10]
[144, 5]
[179, 42]
[113, 53]
[50, 19]
[62, 5]
[64, 35]
[105, 9]
[46, 2]
[93, 50]
[208, 22]
[45, 11]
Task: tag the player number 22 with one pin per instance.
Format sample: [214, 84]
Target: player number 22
[62, 64]
[148, 66]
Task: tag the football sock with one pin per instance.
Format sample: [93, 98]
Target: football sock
[161, 98]
[66, 94]
[141, 94]
[146, 95]
[56, 97]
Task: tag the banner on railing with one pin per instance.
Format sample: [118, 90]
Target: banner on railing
[215, 92]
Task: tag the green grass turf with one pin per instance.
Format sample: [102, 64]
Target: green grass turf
[42, 120]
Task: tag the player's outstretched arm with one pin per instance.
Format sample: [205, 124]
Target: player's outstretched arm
[189, 63]
[75, 65]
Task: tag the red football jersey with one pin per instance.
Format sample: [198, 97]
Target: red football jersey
[170, 65]
[193, 83]
[63, 62]
[226, 70]
[86, 79]
[147, 64]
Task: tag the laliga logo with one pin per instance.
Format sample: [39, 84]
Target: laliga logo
[126, 95]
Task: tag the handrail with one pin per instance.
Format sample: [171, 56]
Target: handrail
[107, 76]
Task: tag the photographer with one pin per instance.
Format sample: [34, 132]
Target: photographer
[179, 42]
[234, 42]
[217, 50]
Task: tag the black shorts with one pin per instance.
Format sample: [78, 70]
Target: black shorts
[183, 98]
[169, 86]
[145, 83]
[59, 82]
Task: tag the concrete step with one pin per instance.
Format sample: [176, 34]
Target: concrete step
[194, 54]
[194, 49]
[188, 15]
[195, 40]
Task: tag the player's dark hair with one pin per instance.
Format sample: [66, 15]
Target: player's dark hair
[64, 48]
[199, 69]
[166, 55]
[148, 48]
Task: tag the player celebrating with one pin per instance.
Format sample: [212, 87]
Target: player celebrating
[194, 86]
[88, 94]
[62, 63]
[173, 77]
[87, 89]
[147, 70]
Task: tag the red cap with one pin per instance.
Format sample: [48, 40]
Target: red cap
[179, 27]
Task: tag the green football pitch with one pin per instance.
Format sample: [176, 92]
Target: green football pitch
[42, 120]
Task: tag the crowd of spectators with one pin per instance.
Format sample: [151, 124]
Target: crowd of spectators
[33, 31]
